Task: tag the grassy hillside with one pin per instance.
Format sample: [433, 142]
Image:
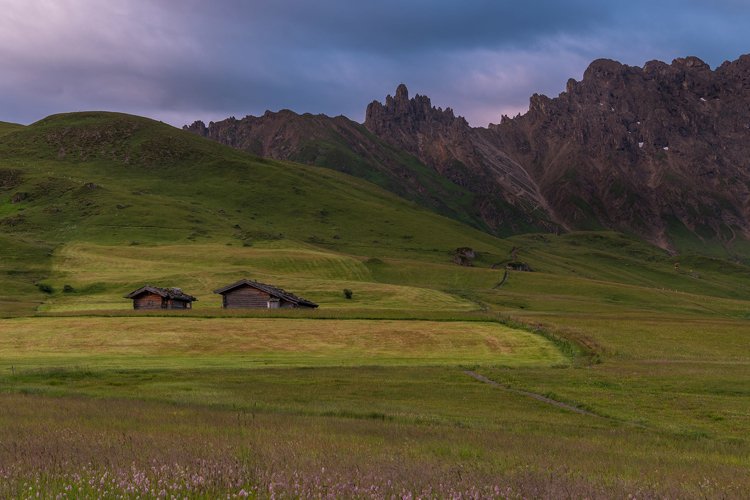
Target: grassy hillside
[6, 127]
[117, 180]
[610, 369]
[396, 171]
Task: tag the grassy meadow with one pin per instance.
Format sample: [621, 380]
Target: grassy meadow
[617, 369]
[175, 342]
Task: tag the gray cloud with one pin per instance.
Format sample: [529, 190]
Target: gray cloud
[183, 60]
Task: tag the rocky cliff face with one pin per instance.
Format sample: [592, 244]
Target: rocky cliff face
[661, 151]
[506, 193]
[274, 135]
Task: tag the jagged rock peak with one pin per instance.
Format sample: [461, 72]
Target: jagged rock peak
[609, 71]
[402, 93]
[604, 69]
[197, 127]
[743, 61]
[690, 62]
[400, 111]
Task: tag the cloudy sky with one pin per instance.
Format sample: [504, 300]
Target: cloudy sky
[181, 60]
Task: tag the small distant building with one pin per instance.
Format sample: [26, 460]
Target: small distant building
[153, 297]
[248, 294]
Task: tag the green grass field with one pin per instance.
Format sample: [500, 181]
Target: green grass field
[195, 343]
[619, 370]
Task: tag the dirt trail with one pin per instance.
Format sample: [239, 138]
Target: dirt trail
[534, 395]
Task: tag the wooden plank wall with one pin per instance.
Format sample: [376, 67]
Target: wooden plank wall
[147, 301]
[246, 297]
[178, 304]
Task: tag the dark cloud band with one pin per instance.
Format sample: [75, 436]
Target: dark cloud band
[189, 59]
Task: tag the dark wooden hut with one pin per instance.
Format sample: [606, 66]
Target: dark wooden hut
[153, 297]
[248, 294]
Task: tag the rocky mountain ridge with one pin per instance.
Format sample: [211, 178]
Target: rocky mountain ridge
[657, 151]
[660, 151]
[449, 145]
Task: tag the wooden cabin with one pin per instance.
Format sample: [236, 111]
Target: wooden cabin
[153, 297]
[248, 294]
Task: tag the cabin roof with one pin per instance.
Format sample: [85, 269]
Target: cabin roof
[269, 289]
[167, 293]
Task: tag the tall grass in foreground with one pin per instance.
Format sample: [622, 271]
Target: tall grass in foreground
[79, 448]
[228, 478]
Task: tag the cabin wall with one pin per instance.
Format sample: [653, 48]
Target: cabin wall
[246, 297]
[156, 301]
[148, 301]
[178, 304]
